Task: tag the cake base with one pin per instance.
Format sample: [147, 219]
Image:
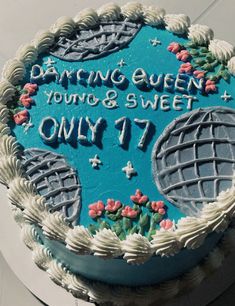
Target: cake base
[42, 287]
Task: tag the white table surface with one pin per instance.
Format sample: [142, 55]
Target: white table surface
[19, 21]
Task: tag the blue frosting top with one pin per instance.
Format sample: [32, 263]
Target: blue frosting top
[148, 50]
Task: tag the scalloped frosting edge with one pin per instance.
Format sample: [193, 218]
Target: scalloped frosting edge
[98, 292]
[190, 232]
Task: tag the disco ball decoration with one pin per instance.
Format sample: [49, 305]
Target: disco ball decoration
[194, 159]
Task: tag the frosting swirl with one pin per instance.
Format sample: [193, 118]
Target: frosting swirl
[177, 24]
[42, 256]
[86, 18]
[4, 114]
[200, 34]
[194, 277]
[191, 232]
[7, 91]
[221, 50]
[132, 11]
[27, 54]
[19, 191]
[10, 168]
[231, 65]
[43, 40]
[29, 235]
[78, 240]
[165, 243]
[57, 271]
[13, 71]
[35, 208]
[8, 145]
[215, 260]
[216, 218]
[4, 129]
[153, 15]
[106, 244]
[64, 26]
[137, 249]
[54, 226]
[109, 12]
[18, 215]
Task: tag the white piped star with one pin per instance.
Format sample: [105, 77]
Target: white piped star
[49, 62]
[121, 63]
[155, 42]
[95, 161]
[129, 170]
[226, 97]
[27, 126]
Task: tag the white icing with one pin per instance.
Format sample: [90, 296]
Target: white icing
[13, 71]
[94, 127]
[200, 34]
[170, 288]
[42, 256]
[106, 244]
[78, 240]
[226, 97]
[29, 236]
[55, 226]
[4, 129]
[132, 11]
[57, 272]
[221, 50]
[191, 232]
[129, 170]
[123, 132]
[64, 26]
[20, 190]
[10, 168]
[4, 114]
[7, 91]
[147, 124]
[76, 286]
[8, 146]
[95, 161]
[194, 277]
[215, 217]
[215, 259]
[231, 65]
[35, 211]
[18, 215]
[109, 12]
[27, 54]
[177, 24]
[43, 40]
[87, 18]
[165, 243]
[153, 15]
[136, 249]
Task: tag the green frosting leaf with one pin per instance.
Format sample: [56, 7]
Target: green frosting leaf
[144, 219]
[135, 229]
[92, 228]
[127, 223]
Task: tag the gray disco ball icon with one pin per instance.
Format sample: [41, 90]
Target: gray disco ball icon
[194, 159]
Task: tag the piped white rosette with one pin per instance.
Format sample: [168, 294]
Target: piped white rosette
[29, 208]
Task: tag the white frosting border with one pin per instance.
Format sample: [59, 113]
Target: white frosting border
[189, 232]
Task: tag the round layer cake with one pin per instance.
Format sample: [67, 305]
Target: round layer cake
[118, 150]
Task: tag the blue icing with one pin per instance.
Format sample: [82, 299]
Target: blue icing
[109, 181]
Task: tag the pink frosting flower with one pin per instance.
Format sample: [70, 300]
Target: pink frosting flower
[166, 224]
[129, 212]
[183, 55]
[21, 117]
[210, 86]
[26, 100]
[112, 205]
[174, 47]
[158, 206]
[199, 74]
[96, 209]
[186, 68]
[139, 198]
[31, 88]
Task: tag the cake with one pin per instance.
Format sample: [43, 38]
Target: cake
[117, 149]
